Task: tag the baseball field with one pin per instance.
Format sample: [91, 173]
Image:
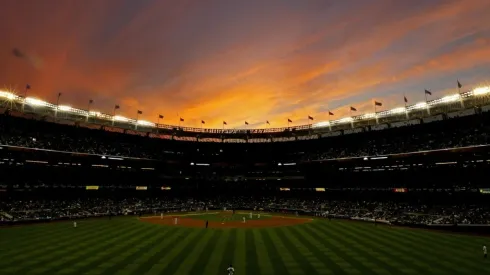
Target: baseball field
[152, 245]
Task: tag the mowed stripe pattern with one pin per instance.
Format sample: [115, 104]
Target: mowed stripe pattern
[127, 246]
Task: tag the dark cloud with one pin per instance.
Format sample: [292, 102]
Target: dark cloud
[242, 60]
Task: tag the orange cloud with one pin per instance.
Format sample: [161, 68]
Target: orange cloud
[249, 61]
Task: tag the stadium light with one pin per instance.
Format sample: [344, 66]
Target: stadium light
[65, 108]
[481, 90]
[367, 116]
[398, 110]
[94, 113]
[121, 118]
[450, 98]
[36, 102]
[321, 124]
[420, 105]
[345, 120]
[145, 123]
[7, 95]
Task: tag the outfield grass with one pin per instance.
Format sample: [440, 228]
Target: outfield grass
[128, 246]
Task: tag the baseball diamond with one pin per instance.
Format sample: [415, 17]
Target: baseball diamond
[128, 245]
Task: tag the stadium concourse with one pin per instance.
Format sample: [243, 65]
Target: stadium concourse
[432, 175]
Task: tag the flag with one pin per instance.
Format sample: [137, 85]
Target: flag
[378, 103]
[28, 86]
[353, 109]
[90, 101]
[427, 92]
[267, 122]
[330, 113]
[181, 119]
[459, 85]
[140, 112]
[203, 122]
[405, 98]
[246, 123]
[224, 123]
[290, 120]
[17, 53]
[160, 116]
[116, 106]
[310, 117]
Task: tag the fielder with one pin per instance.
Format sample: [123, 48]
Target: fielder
[74, 224]
[161, 216]
[176, 220]
[250, 215]
[484, 251]
[244, 220]
[258, 216]
[230, 270]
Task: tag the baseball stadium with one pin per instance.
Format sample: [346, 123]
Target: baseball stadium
[257, 137]
[383, 194]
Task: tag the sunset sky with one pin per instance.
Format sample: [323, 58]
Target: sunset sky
[236, 61]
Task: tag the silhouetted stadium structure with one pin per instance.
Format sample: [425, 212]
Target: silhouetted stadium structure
[424, 167]
[461, 104]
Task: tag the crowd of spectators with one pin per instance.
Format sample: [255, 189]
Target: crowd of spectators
[388, 212]
[450, 133]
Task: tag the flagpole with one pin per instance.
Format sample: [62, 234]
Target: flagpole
[329, 123]
[427, 102]
[405, 101]
[113, 114]
[137, 117]
[352, 121]
[57, 106]
[459, 93]
[88, 108]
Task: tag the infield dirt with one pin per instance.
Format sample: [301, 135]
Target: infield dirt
[274, 221]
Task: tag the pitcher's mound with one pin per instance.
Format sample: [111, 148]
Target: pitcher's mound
[274, 221]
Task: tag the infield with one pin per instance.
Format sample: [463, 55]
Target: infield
[225, 220]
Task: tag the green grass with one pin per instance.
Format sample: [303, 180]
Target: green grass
[127, 246]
